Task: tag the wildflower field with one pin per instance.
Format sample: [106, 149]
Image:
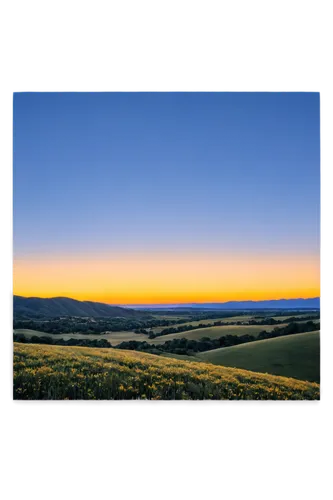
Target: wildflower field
[63, 372]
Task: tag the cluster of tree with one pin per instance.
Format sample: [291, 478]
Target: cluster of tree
[295, 313]
[19, 337]
[186, 346]
[273, 321]
[20, 316]
[142, 330]
[289, 329]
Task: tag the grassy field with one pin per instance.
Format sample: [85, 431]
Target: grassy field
[57, 372]
[294, 356]
[114, 337]
[215, 332]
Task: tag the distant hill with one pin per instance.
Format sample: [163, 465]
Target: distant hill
[313, 303]
[296, 356]
[63, 306]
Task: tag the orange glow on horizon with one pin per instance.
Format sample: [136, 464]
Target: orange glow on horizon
[166, 278]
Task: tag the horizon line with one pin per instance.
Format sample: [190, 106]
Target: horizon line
[213, 302]
[168, 303]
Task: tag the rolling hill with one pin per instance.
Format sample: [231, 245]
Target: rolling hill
[214, 332]
[57, 372]
[296, 356]
[63, 306]
[116, 338]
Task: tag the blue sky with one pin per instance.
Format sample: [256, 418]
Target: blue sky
[166, 171]
[123, 169]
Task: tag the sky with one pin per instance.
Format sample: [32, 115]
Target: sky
[132, 198]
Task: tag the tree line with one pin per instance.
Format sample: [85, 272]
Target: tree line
[87, 326]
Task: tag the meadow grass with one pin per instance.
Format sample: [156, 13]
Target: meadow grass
[296, 356]
[58, 372]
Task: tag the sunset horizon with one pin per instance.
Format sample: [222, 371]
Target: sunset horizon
[166, 198]
[168, 278]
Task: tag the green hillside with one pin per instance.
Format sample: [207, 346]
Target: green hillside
[296, 356]
[57, 372]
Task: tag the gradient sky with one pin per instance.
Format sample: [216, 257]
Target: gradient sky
[166, 197]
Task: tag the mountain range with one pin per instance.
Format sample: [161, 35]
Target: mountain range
[63, 306]
[312, 303]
